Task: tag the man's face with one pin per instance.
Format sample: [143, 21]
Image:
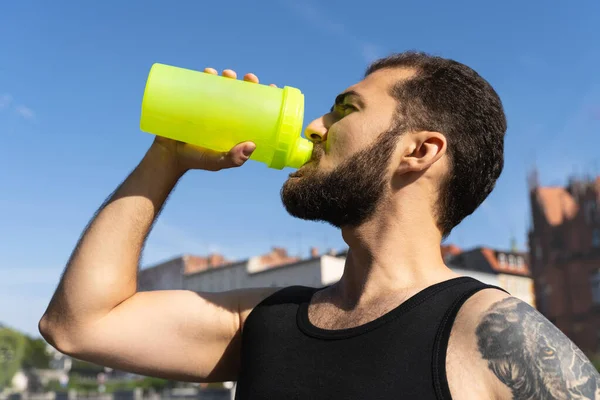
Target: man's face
[349, 172]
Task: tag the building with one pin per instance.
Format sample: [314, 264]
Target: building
[507, 269]
[170, 275]
[215, 273]
[564, 243]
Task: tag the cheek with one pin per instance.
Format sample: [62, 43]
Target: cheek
[337, 147]
[347, 137]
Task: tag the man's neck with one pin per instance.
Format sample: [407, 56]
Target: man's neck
[390, 256]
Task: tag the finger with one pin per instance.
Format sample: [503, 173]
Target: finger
[238, 155]
[273, 85]
[211, 71]
[251, 78]
[228, 73]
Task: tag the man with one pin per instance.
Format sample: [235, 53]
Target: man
[402, 157]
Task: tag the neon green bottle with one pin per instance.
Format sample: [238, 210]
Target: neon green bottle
[215, 112]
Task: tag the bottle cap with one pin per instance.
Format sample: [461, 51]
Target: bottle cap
[291, 149]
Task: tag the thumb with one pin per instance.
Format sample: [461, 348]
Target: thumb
[239, 154]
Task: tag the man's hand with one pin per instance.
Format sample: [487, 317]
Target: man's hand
[185, 156]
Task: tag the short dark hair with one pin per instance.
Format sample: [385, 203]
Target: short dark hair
[448, 97]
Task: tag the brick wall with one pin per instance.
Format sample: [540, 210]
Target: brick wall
[565, 257]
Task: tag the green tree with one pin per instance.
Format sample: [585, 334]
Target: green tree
[12, 351]
[54, 386]
[36, 355]
[80, 367]
[82, 385]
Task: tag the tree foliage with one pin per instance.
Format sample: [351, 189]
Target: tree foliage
[19, 351]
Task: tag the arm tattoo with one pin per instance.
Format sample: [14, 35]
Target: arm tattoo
[532, 357]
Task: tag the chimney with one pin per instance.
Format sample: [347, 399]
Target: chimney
[314, 252]
[279, 252]
[216, 260]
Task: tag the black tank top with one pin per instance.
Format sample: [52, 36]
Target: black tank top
[400, 355]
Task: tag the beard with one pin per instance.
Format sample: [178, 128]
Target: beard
[347, 196]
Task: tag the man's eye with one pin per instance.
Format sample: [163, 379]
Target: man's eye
[345, 109]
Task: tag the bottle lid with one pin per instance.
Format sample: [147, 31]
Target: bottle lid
[291, 149]
[301, 153]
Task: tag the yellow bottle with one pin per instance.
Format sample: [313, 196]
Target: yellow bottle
[215, 112]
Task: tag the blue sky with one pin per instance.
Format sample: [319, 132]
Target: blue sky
[72, 76]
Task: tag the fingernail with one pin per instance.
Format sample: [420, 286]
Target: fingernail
[248, 150]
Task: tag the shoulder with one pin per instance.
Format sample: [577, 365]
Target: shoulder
[267, 297]
[519, 353]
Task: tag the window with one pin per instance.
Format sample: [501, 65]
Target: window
[520, 262]
[595, 284]
[502, 258]
[596, 238]
[511, 261]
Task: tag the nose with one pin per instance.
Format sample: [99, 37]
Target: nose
[316, 131]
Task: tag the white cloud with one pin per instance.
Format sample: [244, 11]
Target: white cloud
[316, 17]
[25, 112]
[5, 100]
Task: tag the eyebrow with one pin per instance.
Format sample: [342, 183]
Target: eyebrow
[339, 100]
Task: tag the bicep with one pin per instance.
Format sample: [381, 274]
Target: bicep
[178, 335]
[530, 356]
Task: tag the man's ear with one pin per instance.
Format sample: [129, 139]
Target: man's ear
[421, 150]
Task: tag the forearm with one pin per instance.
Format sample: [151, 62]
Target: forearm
[102, 271]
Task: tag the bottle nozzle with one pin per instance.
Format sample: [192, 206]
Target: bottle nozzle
[301, 153]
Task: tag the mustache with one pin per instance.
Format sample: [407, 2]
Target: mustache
[318, 152]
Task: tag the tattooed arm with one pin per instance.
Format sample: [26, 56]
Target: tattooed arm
[531, 356]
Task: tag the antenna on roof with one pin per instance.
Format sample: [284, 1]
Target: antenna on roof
[513, 244]
[533, 179]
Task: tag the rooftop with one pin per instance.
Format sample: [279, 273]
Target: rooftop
[487, 260]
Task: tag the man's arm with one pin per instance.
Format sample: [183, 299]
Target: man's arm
[96, 314]
[529, 357]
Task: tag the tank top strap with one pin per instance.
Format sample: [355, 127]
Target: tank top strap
[440, 347]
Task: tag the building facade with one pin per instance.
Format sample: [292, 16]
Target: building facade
[564, 242]
[215, 274]
[507, 269]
